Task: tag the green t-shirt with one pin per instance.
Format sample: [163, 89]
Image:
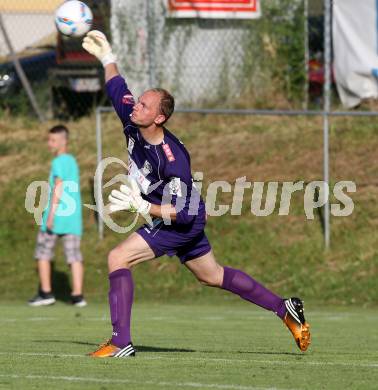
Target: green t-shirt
[67, 218]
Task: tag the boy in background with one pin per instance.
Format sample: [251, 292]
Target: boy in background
[61, 218]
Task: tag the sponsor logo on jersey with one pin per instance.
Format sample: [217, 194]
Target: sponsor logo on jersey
[130, 145]
[138, 175]
[128, 99]
[168, 152]
[147, 167]
[175, 186]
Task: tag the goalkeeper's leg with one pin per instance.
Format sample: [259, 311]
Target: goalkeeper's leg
[210, 273]
[121, 294]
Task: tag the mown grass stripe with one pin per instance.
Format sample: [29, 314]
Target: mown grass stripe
[206, 359]
[130, 381]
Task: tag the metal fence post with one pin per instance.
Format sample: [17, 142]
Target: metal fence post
[98, 184]
[326, 111]
[306, 54]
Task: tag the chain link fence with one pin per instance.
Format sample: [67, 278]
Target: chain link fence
[206, 63]
[237, 63]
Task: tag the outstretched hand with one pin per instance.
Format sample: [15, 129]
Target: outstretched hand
[96, 43]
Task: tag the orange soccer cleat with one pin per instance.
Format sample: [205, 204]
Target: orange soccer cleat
[295, 321]
[109, 350]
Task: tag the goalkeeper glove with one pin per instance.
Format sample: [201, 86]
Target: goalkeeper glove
[129, 198]
[95, 43]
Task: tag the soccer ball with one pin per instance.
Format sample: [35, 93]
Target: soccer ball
[73, 18]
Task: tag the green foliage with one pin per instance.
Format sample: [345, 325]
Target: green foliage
[16, 102]
[274, 60]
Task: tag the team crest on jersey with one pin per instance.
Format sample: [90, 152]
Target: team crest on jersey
[147, 168]
[175, 186]
[168, 152]
[128, 99]
[130, 145]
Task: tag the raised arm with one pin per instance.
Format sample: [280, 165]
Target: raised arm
[95, 43]
[111, 70]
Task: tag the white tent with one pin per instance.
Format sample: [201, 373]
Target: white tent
[355, 43]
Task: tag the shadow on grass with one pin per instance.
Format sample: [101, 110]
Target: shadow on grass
[139, 348]
[61, 285]
[146, 348]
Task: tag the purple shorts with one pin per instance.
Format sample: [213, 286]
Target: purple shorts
[185, 241]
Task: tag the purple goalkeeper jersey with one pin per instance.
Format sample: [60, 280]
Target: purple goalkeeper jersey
[162, 171]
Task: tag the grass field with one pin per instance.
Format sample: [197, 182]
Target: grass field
[184, 346]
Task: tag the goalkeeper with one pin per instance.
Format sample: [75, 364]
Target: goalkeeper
[159, 166]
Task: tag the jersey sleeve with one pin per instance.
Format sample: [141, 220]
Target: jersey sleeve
[180, 187]
[121, 98]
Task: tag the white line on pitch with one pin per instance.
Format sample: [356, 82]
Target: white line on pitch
[272, 362]
[205, 359]
[129, 381]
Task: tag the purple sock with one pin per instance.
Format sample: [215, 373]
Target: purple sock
[243, 285]
[121, 295]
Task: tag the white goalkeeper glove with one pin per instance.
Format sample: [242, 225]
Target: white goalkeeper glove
[129, 198]
[95, 43]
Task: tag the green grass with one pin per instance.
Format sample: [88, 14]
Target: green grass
[226, 345]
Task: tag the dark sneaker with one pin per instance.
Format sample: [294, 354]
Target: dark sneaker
[42, 299]
[110, 350]
[295, 321]
[78, 300]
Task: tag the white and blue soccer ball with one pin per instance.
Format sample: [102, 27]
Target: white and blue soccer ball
[73, 18]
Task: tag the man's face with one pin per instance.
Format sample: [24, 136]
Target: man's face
[147, 110]
[56, 142]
